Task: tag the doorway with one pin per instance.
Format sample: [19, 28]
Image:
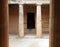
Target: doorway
[30, 21]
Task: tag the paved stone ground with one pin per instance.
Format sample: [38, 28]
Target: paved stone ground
[28, 41]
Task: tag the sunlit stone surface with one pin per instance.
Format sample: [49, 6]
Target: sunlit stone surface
[29, 41]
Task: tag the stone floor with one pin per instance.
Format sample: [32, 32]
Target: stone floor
[29, 41]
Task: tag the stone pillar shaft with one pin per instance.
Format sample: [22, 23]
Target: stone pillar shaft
[4, 21]
[38, 22]
[21, 21]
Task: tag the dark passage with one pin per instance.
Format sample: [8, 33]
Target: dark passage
[30, 21]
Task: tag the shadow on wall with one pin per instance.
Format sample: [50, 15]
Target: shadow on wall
[13, 18]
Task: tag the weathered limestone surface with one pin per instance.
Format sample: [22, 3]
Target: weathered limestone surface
[21, 21]
[38, 22]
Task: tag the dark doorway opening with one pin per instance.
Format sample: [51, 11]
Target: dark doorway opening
[30, 21]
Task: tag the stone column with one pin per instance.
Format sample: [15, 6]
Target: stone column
[51, 24]
[38, 22]
[55, 16]
[21, 21]
[4, 21]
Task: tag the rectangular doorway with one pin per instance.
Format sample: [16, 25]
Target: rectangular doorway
[30, 21]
